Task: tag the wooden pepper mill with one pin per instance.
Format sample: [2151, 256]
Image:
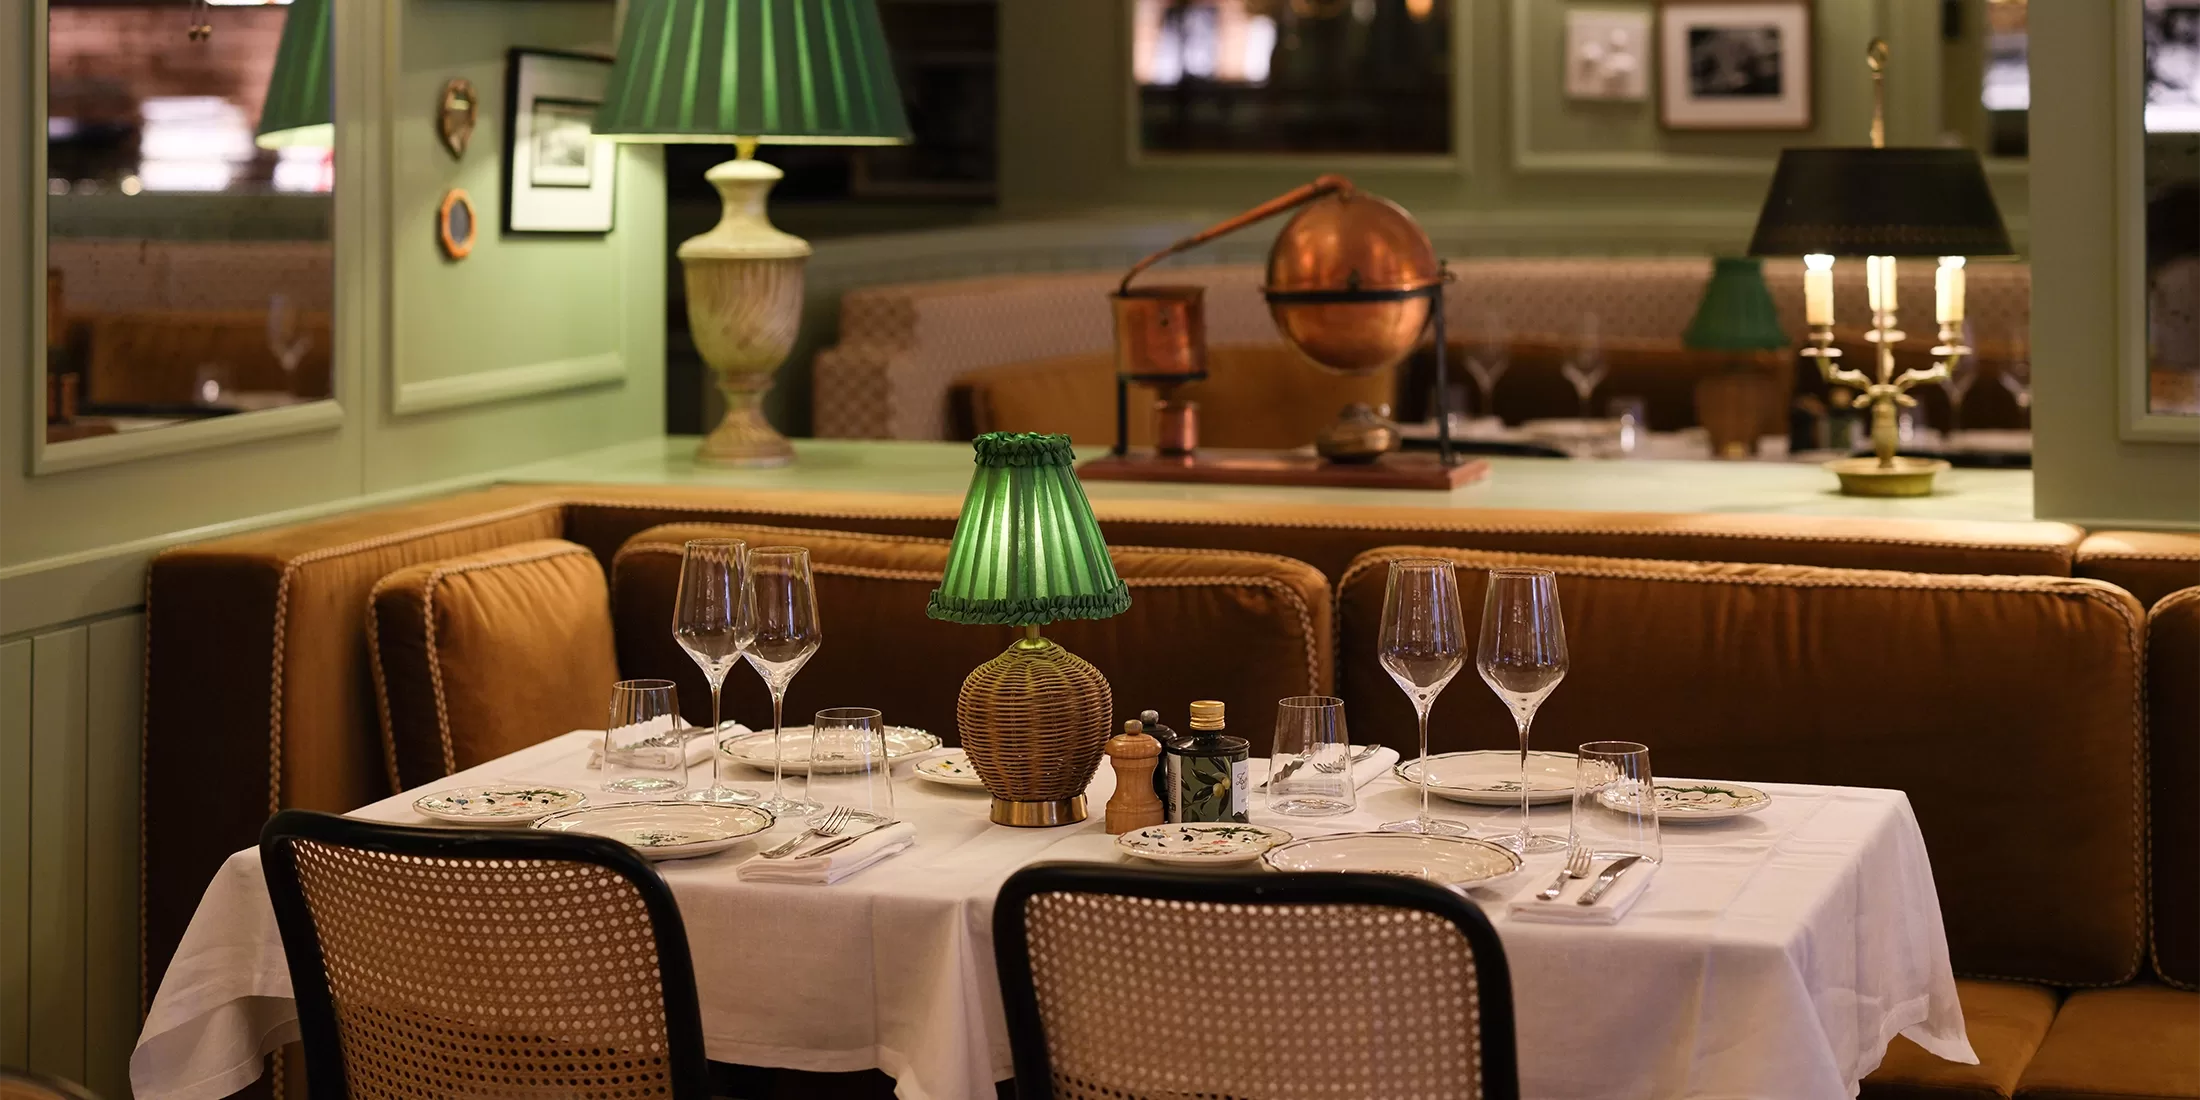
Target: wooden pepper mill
[1133, 754]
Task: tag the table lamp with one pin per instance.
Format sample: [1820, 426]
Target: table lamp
[1735, 315]
[299, 108]
[1881, 203]
[749, 72]
[1027, 552]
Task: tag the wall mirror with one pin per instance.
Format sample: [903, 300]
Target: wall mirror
[2170, 73]
[188, 249]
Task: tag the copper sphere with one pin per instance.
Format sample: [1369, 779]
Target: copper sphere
[1352, 241]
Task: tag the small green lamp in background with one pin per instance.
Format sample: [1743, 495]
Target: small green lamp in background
[1742, 402]
[300, 109]
[1028, 552]
[807, 72]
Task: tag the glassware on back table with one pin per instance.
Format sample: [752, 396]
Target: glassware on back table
[644, 749]
[1586, 368]
[1488, 360]
[708, 623]
[1632, 414]
[1423, 645]
[1961, 374]
[1522, 656]
[2016, 371]
[849, 767]
[286, 340]
[1310, 768]
[1615, 802]
[783, 633]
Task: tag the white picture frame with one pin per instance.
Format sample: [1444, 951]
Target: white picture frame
[558, 176]
[1735, 64]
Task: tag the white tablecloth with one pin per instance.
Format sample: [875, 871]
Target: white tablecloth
[1773, 955]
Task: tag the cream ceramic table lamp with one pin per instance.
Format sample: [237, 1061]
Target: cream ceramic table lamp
[801, 72]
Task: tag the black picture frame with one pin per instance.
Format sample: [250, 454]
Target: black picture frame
[530, 208]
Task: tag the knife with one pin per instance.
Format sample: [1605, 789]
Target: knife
[1357, 759]
[1604, 881]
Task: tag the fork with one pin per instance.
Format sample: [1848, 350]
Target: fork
[1577, 866]
[833, 823]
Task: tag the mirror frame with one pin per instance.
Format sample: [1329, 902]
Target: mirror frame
[2139, 422]
[356, 269]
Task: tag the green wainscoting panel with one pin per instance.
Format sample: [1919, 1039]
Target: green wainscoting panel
[15, 853]
[58, 728]
[114, 677]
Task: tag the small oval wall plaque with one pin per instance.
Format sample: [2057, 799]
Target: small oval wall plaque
[455, 115]
[455, 224]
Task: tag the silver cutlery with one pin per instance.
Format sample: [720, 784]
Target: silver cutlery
[1327, 767]
[831, 826]
[1577, 866]
[831, 846]
[1604, 882]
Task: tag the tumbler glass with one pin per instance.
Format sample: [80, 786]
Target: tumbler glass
[848, 767]
[1310, 768]
[644, 749]
[1615, 802]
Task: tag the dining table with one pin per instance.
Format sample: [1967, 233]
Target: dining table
[1772, 954]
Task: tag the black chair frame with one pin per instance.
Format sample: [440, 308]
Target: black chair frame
[1020, 998]
[325, 1072]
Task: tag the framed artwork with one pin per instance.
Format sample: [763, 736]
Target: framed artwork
[1734, 64]
[559, 177]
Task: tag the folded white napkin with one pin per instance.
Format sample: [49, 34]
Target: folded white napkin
[698, 747]
[1363, 773]
[826, 870]
[1566, 909]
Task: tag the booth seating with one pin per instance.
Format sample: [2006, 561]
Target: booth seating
[1887, 653]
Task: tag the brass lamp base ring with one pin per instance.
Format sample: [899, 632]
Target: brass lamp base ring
[1039, 815]
[1865, 477]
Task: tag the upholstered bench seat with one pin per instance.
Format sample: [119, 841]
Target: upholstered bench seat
[2136, 1042]
[2006, 1021]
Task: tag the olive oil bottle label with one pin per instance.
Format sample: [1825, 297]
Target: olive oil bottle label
[1206, 788]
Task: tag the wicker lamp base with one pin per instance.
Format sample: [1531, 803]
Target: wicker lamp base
[1034, 721]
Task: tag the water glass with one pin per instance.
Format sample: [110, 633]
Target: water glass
[1310, 768]
[644, 748]
[1615, 802]
[849, 766]
[1633, 417]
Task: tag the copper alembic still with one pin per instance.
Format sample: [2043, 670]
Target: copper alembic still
[1880, 203]
[1353, 285]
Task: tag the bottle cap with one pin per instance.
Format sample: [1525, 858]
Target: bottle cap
[1150, 717]
[1207, 714]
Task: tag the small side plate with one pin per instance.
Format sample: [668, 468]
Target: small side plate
[950, 769]
[496, 804]
[1705, 800]
[1491, 777]
[1207, 843]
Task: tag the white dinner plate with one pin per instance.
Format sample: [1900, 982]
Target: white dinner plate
[1491, 777]
[1446, 860]
[1706, 800]
[755, 749]
[496, 804]
[1206, 843]
[665, 830]
[949, 769]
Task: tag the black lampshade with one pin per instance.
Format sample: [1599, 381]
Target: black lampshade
[1879, 202]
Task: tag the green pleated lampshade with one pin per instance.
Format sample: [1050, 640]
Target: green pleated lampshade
[1027, 551]
[1736, 312]
[779, 71]
[299, 108]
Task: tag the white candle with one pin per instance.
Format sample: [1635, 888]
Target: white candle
[1818, 289]
[1879, 282]
[1948, 291]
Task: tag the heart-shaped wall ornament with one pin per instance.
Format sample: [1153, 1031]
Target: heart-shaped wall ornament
[455, 116]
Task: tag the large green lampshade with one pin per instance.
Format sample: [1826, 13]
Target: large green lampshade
[1027, 551]
[779, 71]
[299, 109]
[1736, 312]
[1842, 201]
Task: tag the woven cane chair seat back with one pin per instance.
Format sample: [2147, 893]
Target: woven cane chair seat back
[503, 972]
[1224, 993]
[24, 1085]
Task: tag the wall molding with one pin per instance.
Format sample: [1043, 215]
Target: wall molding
[506, 383]
[193, 435]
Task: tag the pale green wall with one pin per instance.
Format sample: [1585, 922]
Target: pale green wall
[1523, 153]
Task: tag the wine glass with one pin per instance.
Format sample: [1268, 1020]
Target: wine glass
[707, 622]
[783, 633]
[1423, 645]
[1587, 367]
[1522, 657]
[1488, 360]
[1961, 374]
[286, 340]
[2016, 371]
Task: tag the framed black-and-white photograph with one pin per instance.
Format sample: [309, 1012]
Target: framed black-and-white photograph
[559, 177]
[1734, 64]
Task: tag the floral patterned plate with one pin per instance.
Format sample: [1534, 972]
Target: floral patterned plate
[755, 749]
[1207, 843]
[1491, 777]
[665, 830]
[1701, 800]
[496, 804]
[1458, 862]
[951, 769]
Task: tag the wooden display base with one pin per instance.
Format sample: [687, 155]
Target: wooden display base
[1219, 466]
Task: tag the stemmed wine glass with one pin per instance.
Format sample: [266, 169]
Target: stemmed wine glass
[708, 622]
[286, 339]
[783, 633]
[1522, 656]
[1423, 645]
[1587, 367]
[2016, 371]
[1961, 374]
[1488, 360]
